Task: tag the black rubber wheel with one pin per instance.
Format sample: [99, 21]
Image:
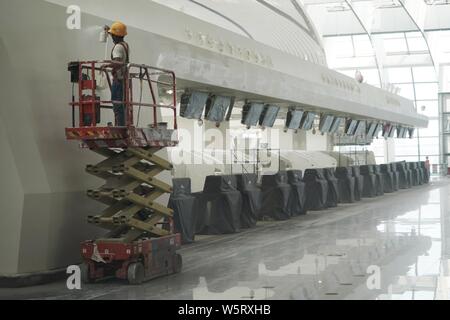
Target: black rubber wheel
[177, 263]
[136, 273]
[85, 274]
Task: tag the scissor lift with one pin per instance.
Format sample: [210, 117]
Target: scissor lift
[140, 243]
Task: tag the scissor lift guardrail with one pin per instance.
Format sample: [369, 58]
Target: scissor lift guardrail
[138, 226]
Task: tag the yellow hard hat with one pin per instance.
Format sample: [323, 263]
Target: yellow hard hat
[118, 29]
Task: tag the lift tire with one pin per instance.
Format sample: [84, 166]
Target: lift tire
[85, 273]
[177, 263]
[136, 273]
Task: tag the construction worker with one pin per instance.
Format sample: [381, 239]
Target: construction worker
[121, 53]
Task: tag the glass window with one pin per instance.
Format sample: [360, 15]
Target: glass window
[417, 44]
[395, 45]
[406, 147]
[446, 123]
[377, 147]
[446, 105]
[424, 74]
[363, 47]
[413, 34]
[407, 158]
[445, 42]
[399, 75]
[433, 159]
[429, 146]
[418, 82]
[363, 61]
[406, 90]
[431, 131]
[426, 91]
[428, 108]
[371, 76]
[389, 35]
[348, 73]
[445, 78]
[340, 46]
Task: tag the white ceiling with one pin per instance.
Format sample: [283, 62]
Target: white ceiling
[282, 24]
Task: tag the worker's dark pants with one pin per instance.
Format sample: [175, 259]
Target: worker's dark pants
[117, 90]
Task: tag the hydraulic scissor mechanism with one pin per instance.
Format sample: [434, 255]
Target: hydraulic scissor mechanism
[140, 243]
[131, 190]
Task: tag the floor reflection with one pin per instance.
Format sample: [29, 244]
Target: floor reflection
[392, 247]
[400, 237]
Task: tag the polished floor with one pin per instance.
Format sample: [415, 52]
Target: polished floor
[392, 247]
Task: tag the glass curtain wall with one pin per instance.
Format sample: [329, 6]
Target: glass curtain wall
[407, 71]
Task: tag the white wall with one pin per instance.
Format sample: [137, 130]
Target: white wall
[11, 197]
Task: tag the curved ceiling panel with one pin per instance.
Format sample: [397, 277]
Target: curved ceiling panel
[223, 16]
[282, 24]
[203, 12]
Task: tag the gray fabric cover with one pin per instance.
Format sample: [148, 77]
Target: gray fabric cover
[251, 199]
[276, 193]
[346, 184]
[359, 182]
[415, 173]
[182, 203]
[370, 181]
[396, 176]
[333, 189]
[388, 178]
[405, 175]
[219, 206]
[316, 189]
[421, 173]
[298, 195]
[425, 171]
[380, 180]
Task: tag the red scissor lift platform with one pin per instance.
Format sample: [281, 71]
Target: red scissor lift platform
[140, 243]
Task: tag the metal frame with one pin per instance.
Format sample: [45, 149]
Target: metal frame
[132, 72]
[443, 146]
[133, 218]
[369, 34]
